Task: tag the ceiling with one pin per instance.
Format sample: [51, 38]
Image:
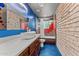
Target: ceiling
[40, 9]
[44, 9]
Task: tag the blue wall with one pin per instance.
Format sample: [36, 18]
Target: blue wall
[1, 5]
[32, 23]
[5, 33]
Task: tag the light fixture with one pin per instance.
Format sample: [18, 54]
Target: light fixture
[38, 10]
[41, 5]
[15, 6]
[23, 6]
[31, 17]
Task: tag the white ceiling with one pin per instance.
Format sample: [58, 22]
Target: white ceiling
[44, 9]
[40, 9]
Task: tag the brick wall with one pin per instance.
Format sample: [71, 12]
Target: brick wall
[67, 19]
[2, 18]
[13, 21]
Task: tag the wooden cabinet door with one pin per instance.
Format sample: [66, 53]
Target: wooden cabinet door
[25, 52]
[34, 48]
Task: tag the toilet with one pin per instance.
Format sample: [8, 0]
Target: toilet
[42, 42]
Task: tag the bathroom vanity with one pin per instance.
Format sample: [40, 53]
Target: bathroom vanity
[19, 45]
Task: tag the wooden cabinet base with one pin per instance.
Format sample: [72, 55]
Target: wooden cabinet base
[32, 50]
[35, 48]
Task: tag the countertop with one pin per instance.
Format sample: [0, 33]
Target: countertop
[14, 47]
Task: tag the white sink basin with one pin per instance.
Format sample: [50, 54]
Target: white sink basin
[27, 35]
